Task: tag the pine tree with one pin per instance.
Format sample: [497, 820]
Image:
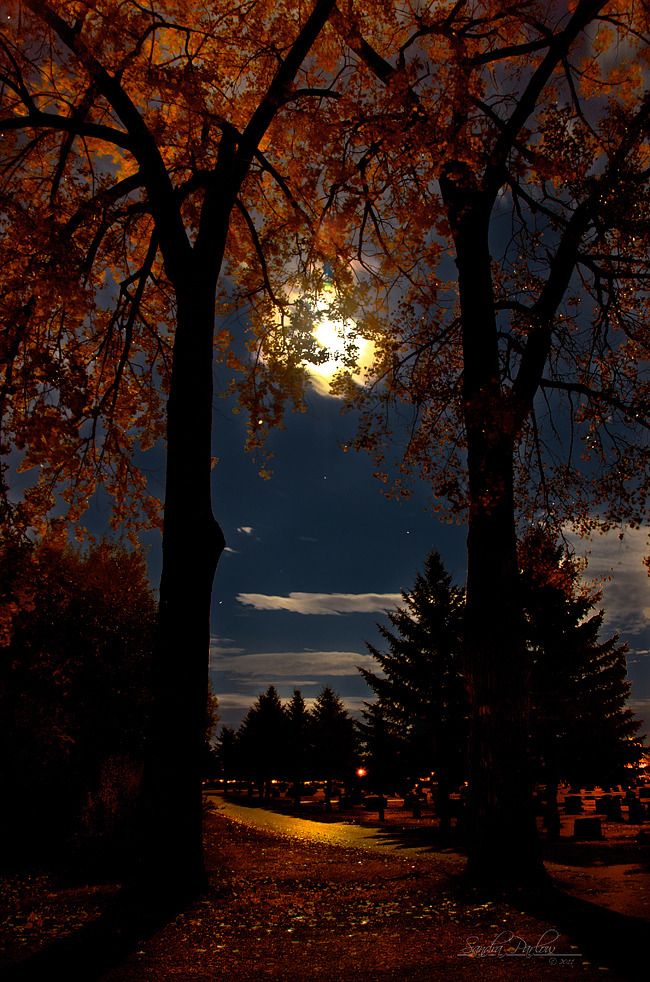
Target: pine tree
[421, 692]
[335, 742]
[384, 748]
[298, 742]
[581, 729]
[262, 739]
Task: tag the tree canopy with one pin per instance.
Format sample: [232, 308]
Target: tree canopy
[75, 689]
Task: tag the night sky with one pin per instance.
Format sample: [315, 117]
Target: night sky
[316, 554]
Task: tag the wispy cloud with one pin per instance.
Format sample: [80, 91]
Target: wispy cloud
[246, 529]
[275, 665]
[626, 587]
[222, 647]
[323, 603]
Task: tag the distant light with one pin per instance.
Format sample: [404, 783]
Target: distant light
[361, 772]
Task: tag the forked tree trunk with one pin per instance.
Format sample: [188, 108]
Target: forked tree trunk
[172, 861]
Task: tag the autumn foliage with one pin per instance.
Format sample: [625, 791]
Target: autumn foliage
[470, 180]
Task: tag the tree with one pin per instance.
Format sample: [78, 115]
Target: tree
[581, 729]
[298, 742]
[263, 740]
[334, 740]
[421, 690]
[384, 747]
[228, 752]
[147, 158]
[75, 662]
[513, 141]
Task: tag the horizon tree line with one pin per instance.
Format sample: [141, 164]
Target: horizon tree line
[581, 730]
[292, 742]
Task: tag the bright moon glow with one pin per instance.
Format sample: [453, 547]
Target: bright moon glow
[333, 336]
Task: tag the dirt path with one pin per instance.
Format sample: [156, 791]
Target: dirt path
[297, 899]
[284, 908]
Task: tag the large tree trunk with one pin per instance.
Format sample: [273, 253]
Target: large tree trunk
[502, 836]
[192, 543]
[501, 832]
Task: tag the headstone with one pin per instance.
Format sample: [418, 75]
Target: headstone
[573, 804]
[587, 829]
[636, 811]
[604, 804]
[614, 814]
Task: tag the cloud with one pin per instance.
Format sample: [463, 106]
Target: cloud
[233, 551]
[626, 590]
[245, 529]
[273, 665]
[323, 603]
[217, 648]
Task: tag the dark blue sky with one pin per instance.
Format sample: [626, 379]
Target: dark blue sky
[322, 529]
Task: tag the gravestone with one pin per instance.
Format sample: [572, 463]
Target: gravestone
[573, 804]
[587, 829]
[636, 811]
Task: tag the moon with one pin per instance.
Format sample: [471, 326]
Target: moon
[334, 338]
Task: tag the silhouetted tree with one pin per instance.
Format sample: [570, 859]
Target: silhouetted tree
[262, 739]
[384, 746]
[135, 143]
[75, 657]
[335, 742]
[421, 691]
[581, 728]
[228, 755]
[299, 743]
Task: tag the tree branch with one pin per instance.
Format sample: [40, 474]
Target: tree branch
[257, 245]
[639, 413]
[585, 12]
[67, 124]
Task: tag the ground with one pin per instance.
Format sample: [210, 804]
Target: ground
[289, 905]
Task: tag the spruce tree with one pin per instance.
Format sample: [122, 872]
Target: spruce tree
[421, 692]
[334, 740]
[581, 729]
[262, 739]
[298, 742]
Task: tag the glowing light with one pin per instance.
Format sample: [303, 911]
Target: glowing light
[337, 339]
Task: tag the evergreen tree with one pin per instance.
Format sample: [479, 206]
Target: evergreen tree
[384, 748]
[228, 755]
[299, 742]
[581, 729]
[335, 742]
[262, 739]
[421, 692]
